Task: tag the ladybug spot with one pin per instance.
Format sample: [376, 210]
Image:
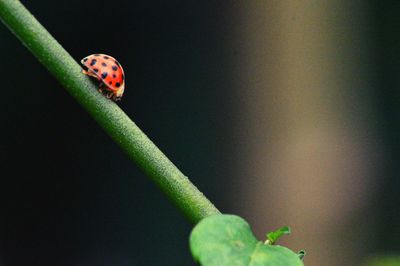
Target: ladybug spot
[104, 64]
[117, 84]
[114, 76]
[110, 83]
[95, 70]
[85, 59]
[93, 62]
[115, 68]
[104, 75]
[105, 57]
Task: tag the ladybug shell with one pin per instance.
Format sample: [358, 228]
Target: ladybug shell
[107, 69]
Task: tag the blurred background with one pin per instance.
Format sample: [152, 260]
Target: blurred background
[283, 112]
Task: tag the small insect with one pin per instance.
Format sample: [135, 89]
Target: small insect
[108, 71]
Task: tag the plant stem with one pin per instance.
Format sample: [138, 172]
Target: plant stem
[114, 121]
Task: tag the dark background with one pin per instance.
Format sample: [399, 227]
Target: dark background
[69, 196]
[387, 95]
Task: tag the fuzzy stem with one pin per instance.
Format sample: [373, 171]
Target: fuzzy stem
[108, 115]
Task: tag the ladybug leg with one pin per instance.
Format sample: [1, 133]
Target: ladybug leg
[115, 98]
[105, 92]
[101, 86]
[109, 95]
[90, 73]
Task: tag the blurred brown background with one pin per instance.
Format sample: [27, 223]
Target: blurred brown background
[312, 152]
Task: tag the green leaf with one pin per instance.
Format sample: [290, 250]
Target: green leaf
[275, 235]
[227, 240]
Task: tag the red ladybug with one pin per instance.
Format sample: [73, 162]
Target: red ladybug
[108, 71]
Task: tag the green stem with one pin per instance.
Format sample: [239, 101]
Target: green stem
[114, 121]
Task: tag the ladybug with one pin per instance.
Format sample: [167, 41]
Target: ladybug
[108, 71]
